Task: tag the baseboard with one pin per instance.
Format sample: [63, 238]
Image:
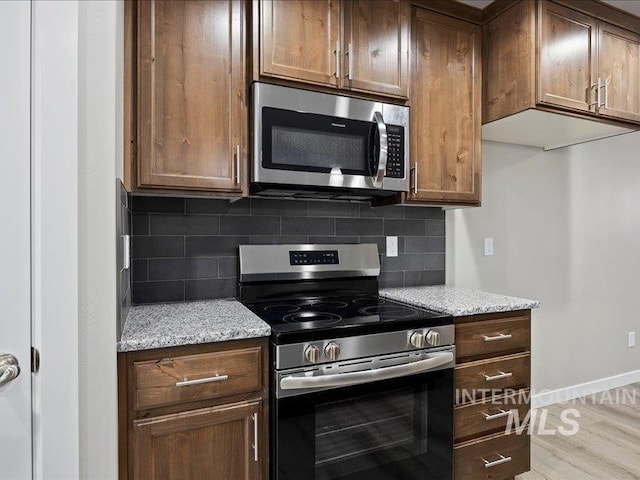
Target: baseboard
[550, 397]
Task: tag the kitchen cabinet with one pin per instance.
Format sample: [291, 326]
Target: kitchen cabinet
[192, 96]
[492, 379]
[303, 41]
[194, 412]
[445, 115]
[556, 76]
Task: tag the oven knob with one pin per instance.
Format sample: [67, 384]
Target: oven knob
[417, 340]
[332, 351]
[312, 354]
[433, 338]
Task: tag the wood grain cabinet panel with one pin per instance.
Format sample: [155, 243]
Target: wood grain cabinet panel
[483, 378]
[619, 72]
[216, 443]
[445, 115]
[506, 455]
[299, 39]
[493, 337]
[567, 58]
[376, 46]
[192, 106]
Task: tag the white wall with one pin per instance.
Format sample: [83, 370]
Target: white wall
[98, 153]
[566, 225]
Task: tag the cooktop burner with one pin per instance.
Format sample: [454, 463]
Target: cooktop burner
[308, 316]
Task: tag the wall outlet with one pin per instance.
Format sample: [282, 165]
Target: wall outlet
[392, 246]
[489, 245]
[632, 339]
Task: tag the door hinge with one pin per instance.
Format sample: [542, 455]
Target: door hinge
[35, 360]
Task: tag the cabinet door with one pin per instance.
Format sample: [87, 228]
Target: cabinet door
[445, 115]
[619, 71]
[567, 58]
[299, 39]
[192, 94]
[376, 46]
[215, 443]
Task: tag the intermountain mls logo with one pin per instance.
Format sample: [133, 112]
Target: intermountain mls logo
[511, 408]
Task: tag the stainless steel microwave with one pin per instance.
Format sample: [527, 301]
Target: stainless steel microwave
[309, 144]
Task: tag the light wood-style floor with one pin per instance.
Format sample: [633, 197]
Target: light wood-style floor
[606, 447]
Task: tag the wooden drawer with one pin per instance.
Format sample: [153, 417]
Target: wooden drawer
[486, 458]
[490, 337]
[491, 416]
[196, 377]
[485, 378]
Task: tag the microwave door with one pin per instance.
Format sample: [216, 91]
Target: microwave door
[381, 149]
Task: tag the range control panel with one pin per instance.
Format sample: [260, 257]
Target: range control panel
[395, 155]
[317, 257]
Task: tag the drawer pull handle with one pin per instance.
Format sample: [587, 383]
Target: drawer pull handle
[500, 461]
[495, 338]
[500, 414]
[500, 376]
[217, 378]
[254, 445]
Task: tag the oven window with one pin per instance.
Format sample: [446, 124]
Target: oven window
[309, 142]
[352, 435]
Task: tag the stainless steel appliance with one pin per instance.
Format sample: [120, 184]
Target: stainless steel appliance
[309, 144]
[361, 386]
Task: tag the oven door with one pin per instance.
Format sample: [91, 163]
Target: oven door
[397, 428]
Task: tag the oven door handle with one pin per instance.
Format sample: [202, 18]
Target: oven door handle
[382, 151]
[434, 361]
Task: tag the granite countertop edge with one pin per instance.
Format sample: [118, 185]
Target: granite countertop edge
[167, 325]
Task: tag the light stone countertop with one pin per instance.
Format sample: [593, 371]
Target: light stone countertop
[189, 323]
[457, 302]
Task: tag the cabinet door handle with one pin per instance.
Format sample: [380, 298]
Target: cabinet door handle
[500, 414]
[238, 164]
[597, 102]
[255, 436]
[350, 62]
[415, 178]
[217, 378]
[495, 338]
[606, 92]
[601, 86]
[500, 376]
[337, 59]
[500, 461]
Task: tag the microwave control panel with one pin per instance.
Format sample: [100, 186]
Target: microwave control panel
[395, 152]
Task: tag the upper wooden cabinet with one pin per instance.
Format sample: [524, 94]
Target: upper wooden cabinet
[445, 115]
[556, 76]
[303, 41]
[191, 90]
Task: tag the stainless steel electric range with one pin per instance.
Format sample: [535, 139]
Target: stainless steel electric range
[361, 386]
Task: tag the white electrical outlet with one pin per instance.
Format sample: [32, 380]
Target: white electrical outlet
[392, 246]
[489, 247]
[632, 339]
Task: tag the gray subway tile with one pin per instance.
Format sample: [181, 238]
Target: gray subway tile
[415, 245]
[160, 246]
[182, 268]
[213, 246]
[391, 279]
[213, 206]
[404, 227]
[140, 224]
[334, 209]
[214, 288]
[154, 292]
[249, 225]
[184, 224]
[333, 240]
[435, 228]
[404, 262]
[140, 204]
[358, 226]
[275, 239]
[268, 206]
[424, 213]
[228, 267]
[436, 244]
[386, 211]
[139, 269]
[436, 261]
[308, 226]
[424, 277]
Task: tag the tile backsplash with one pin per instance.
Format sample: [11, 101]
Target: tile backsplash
[187, 248]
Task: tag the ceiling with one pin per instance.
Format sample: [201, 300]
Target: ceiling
[631, 6]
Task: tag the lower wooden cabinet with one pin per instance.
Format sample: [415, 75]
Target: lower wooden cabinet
[194, 412]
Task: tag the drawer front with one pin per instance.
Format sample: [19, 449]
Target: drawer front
[485, 378]
[491, 416]
[495, 458]
[196, 377]
[491, 337]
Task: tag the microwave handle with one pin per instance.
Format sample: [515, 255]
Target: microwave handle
[383, 151]
[433, 362]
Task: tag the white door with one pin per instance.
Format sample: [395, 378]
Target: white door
[15, 240]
